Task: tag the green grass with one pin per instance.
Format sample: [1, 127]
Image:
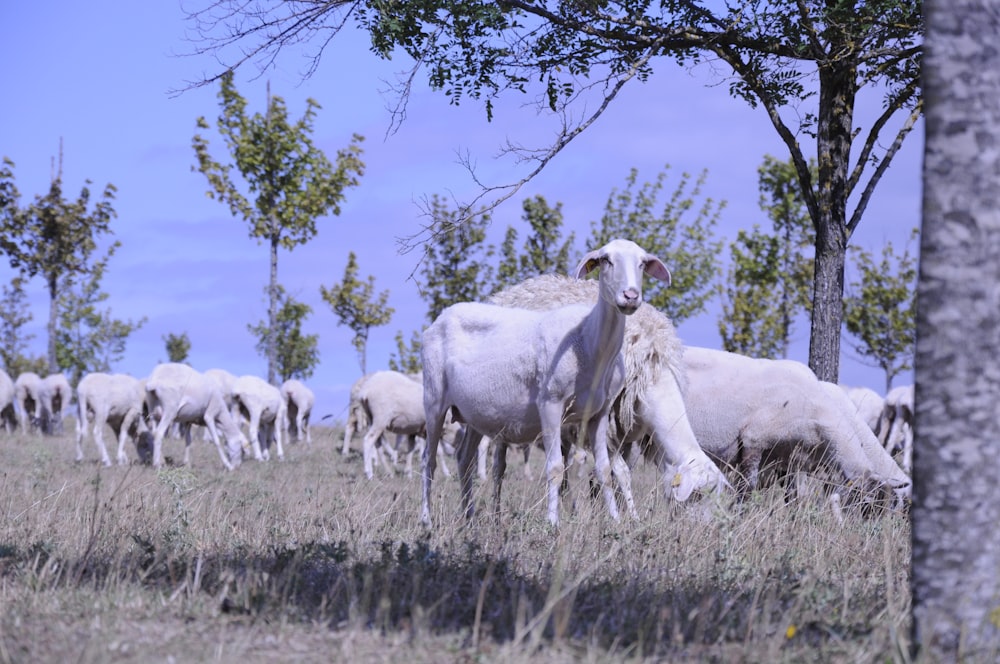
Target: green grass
[306, 560]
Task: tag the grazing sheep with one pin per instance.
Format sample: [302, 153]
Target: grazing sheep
[357, 420]
[264, 408]
[392, 402]
[513, 374]
[746, 411]
[113, 399]
[869, 405]
[27, 389]
[650, 405]
[8, 412]
[186, 396]
[299, 401]
[54, 395]
[896, 425]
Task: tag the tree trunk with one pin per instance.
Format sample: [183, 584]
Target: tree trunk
[833, 148]
[51, 327]
[956, 502]
[272, 314]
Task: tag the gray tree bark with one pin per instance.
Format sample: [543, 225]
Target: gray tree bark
[956, 462]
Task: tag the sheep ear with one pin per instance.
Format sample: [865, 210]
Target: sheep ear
[589, 263]
[655, 268]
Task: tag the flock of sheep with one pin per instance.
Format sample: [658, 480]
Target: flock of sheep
[173, 396]
[566, 364]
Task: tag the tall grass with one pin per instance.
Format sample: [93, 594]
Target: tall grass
[306, 560]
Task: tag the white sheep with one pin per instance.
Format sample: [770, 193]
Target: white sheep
[185, 395]
[299, 400]
[264, 408]
[27, 388]
[357, 420]
[8, 411]
[650, 405]
[393, 402]
[748, 411]
[513, 374]
[869, 405]
[53, 396]
[113, 399]
[896, 425]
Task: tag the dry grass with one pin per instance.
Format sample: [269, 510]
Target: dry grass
[307, 561]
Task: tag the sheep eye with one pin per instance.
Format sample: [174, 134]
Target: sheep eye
[605, 261]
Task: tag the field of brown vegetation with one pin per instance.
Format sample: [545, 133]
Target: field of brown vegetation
[307, 561]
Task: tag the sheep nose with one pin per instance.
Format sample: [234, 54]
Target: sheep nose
[630, 295]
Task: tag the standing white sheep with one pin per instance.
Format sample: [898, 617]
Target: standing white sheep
[113, 399]
[264, 408]
[53, 396]
[896, 425]
[8, 411]
[513, 374]
[27, 391]
[299, 400]
[746, 411]
[186, 396]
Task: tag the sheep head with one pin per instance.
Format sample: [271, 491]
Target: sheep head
[622, 263]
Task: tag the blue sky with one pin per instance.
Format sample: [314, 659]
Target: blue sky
[100, 75]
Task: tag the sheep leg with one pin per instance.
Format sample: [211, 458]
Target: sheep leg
[81, 430]
[468, 444]
[214, 433]
[99, 419]
[277, 429]
[550, 414]
[482, 453]
[499, 468]
[166, 420]
[623, 478]
[368, 449]
[597, 432]
[435, 425]
[130, 417]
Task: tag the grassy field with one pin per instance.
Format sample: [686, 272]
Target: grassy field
[307, 561]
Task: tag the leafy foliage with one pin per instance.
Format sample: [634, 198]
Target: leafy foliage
[406, 359]
[178, 346]
[544, 251]
[14, 315]
[89, 338]
[297, 354]
[456, 265]
[685, 245]
[355, 304]
[292, 182]
[880, 309]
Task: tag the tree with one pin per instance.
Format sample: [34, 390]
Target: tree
[781, 55]
[292, 181]
[543, 252]
[406, 359]
[14, 315]
[52, 236]
[89, 338]
[456, 264]
[296, 354]
[178, 346]
[880, 309]
[684, 245]
[956, 477]
[768, 282]
[354, 303]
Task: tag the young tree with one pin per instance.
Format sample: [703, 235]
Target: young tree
[880, 309]
[406, 359]
[456, 266]
[14, 315]
[89, 338]
[292, 182]
[685, 245]
[354, 303]
[806, 64]
[769, 279]
[52, 236]
[956, 477]
[296, 354]
[178, 346]
[544, 251]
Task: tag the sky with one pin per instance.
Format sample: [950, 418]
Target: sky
[104, 77]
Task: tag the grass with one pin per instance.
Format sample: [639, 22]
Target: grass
[306, 560]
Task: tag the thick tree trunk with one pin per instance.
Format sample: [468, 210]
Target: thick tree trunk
[956, 508]
[833, 146]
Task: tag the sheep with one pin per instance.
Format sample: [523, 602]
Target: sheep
[299, 401]
[747, 410]
[27, 388]
[113, 399]
[357, 419]
[896, 425]
[264, 408]
[392, 402]
[8, 412]
[513, 374]
[54, 395]
[869, 405]
[185, 395]
[650, 405]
